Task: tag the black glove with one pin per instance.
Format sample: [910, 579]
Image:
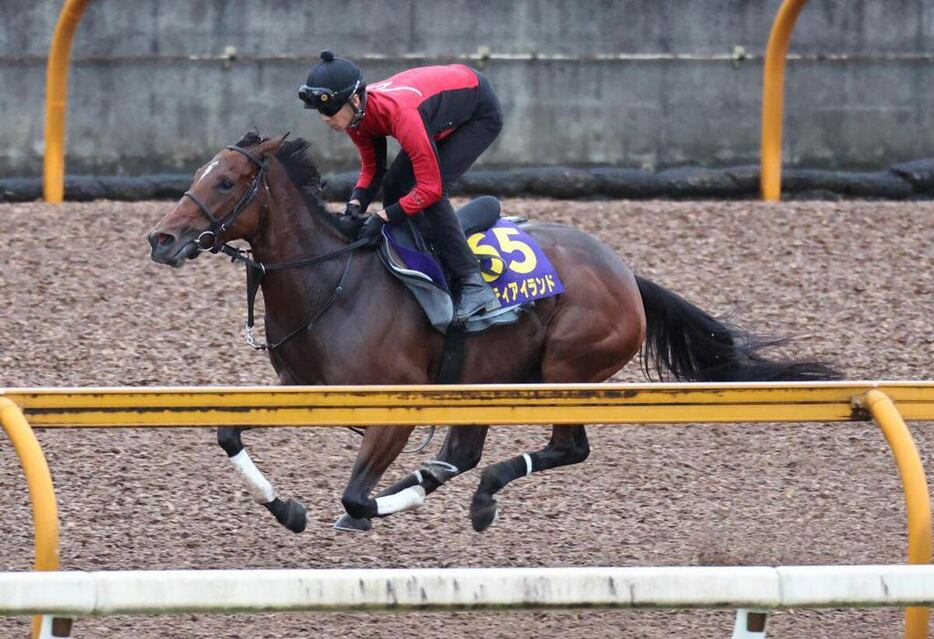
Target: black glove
[371, 231]
[350, 222]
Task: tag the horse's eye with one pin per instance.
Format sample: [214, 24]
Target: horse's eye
[225, 185]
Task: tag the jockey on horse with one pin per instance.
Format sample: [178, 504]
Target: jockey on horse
[443, 117]
[325, 321]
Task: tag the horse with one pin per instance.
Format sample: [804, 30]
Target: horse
[335, 315]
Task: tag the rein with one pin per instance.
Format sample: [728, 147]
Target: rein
[255, 271]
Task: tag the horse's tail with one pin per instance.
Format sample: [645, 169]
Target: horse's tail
[690, 345]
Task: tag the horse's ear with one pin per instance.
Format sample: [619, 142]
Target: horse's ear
[272, 145]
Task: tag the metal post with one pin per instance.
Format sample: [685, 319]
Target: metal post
[916, 496]
[773, 95]
[42, 494]
[56, 100]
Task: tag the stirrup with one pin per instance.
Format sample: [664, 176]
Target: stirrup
[487, 306]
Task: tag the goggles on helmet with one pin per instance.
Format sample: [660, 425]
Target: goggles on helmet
[325, 100]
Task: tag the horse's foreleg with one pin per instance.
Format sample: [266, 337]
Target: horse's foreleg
[380, 447]
[461, 452]
[290, 513]
[568, 445]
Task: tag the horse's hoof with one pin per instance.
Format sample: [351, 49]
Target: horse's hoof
[289, 513]
[482, 517]
[351, 524]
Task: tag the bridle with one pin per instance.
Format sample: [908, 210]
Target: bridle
[210, 240]
[255, 271]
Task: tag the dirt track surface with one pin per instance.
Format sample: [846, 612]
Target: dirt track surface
[83, 305]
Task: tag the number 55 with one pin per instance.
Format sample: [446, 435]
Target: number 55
[508, 245]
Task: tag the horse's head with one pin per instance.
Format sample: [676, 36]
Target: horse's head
[223, 203]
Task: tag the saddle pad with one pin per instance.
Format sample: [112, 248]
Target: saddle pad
[512, 263]
[412, 259]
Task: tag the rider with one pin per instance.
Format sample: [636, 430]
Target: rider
[443, 117]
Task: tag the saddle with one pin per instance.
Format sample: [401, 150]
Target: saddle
[517, 282]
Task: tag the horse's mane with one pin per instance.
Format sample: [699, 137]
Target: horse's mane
[295, 157]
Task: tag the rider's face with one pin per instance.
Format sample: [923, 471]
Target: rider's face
[342, 119]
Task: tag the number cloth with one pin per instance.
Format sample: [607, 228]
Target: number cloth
[514, 265]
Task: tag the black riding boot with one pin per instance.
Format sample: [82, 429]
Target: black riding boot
[475, 296]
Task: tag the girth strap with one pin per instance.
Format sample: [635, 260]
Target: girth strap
[452, 356]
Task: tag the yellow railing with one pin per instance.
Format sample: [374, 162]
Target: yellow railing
[493, 404]
[463, 404]
[56, 100]
[773, 96]
[917, 501]
[41, 490]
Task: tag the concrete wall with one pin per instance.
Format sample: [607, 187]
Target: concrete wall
[149, 93]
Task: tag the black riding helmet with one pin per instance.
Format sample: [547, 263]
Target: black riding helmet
[331, 84]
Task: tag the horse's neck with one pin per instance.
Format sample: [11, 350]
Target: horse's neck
[295, 296]
[291, 232]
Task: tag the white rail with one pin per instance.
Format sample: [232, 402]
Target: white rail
[78, 594]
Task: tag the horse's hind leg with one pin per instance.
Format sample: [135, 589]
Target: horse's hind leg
[568, 445]
[289, 512]
[598, 327]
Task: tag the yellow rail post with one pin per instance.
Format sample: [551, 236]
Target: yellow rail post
[41, 491]
[56, 100]
[916, 496]
[773, 95]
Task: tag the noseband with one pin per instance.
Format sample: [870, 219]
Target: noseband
[210, 240]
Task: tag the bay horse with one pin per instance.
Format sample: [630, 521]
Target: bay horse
[335, 315]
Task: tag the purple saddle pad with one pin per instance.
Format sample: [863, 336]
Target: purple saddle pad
[512, 264]
[416, 260]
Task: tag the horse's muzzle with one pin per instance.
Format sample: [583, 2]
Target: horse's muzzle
[166, 248]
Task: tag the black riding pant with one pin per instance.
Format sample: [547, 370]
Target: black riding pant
[456, 153]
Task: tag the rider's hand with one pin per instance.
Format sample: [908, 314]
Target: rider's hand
[371, 231]
[353, 209]
[350, 222]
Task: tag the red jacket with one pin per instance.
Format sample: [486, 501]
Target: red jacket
[417, 107]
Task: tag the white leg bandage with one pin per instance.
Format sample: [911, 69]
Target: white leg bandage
[528, 464]
[259, 486]
[411, 497]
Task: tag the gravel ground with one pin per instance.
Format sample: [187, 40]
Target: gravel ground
[82, 305]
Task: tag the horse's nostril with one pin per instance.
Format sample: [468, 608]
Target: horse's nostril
[161, 240]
